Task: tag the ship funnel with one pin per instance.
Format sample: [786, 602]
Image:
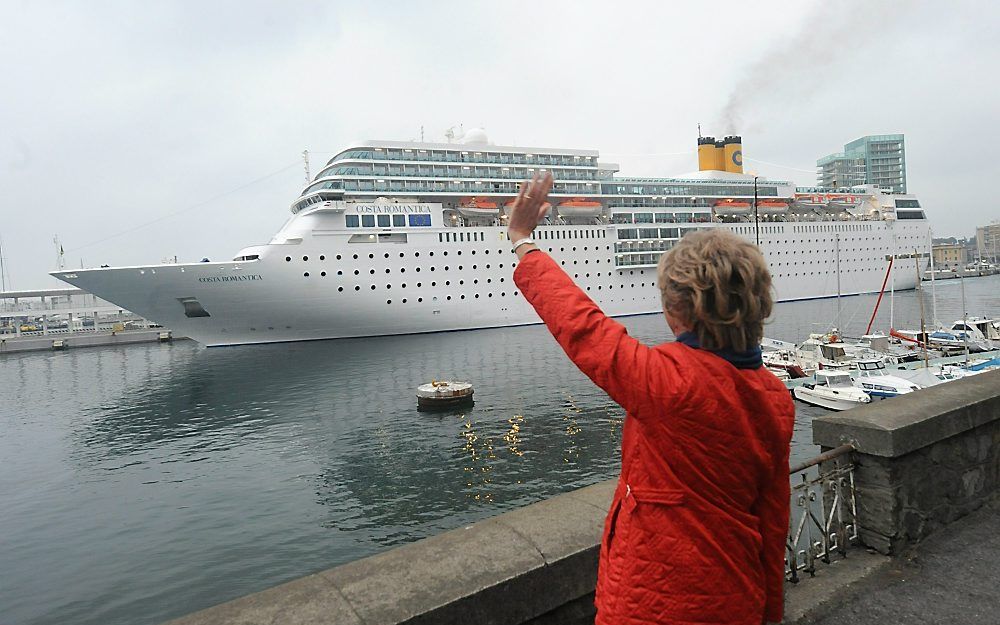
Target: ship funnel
[710, 154]
[732, 148]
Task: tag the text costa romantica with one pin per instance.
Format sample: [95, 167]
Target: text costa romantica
[252, 276]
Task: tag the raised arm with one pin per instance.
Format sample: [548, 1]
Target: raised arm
[599, 346]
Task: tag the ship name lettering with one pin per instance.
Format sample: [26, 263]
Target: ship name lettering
[390, 208]
[252, 276]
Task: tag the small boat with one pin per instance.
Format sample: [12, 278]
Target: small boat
[580, 207]
[833, 390]
[873, 379]
[784, 360]
[441, 395]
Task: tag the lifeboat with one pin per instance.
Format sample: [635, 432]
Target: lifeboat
[579, 207]
[771, 207]
[809, 204]
[479, 207]
[732, 207]
[841, 203]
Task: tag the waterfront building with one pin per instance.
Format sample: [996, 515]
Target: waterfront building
[876, 159]
[953, 255]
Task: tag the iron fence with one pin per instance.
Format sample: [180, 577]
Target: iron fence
[824, 511]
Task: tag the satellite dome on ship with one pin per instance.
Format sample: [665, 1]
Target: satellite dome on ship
[476, 136]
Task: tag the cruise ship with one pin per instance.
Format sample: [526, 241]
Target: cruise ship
[396, 237]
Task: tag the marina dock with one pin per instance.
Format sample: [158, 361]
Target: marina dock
[57, 319]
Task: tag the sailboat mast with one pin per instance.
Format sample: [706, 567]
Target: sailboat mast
[965, 320]
[920, 296]
[934, 317]
[837, 238]
[3, 274]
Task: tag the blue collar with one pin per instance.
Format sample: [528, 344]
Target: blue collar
[749, 359]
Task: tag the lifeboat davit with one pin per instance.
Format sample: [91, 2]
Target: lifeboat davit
[732, 207]
[510, 204]
[579, 207]
[479, 207]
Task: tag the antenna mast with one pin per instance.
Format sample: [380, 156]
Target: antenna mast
[3, 275]
[305, 159]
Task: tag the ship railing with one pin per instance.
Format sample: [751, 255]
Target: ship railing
[824, 517]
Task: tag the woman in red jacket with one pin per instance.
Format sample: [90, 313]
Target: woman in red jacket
[696, 530]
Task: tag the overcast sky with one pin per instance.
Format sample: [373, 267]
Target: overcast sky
[141, 130]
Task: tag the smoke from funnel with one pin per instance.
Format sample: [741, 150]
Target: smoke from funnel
[814, 61]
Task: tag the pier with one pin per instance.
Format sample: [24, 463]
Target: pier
[919, 474]
[56, 319]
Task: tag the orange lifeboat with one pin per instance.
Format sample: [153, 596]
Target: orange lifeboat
[732, 207]
[580, 207]
[479, 207]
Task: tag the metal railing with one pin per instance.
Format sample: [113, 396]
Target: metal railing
[824, 511]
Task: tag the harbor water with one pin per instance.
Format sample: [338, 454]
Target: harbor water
[144, 482]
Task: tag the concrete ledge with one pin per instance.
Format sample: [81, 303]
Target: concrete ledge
[917, 420]
[537, 562]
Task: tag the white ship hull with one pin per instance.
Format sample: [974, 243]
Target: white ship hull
[426, 285]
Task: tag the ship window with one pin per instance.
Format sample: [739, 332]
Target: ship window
[420, 220]
[368, 221]
[352, 221]
[384, 221]
[399, 220]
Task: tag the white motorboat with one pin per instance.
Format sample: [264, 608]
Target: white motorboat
[873, 379]
[833, 390]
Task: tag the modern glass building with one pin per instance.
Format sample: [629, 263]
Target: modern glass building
[875, 159]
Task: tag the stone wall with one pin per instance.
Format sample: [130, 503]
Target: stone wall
[536, 564]
[923, 460]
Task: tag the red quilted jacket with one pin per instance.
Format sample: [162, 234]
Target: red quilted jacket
[696, 531]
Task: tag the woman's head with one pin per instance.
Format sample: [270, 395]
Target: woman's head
[718, 285]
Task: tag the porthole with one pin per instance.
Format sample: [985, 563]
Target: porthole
[388, 301]
[462, 296]
[418, 285]
[448, 298]
[355, 257]
[420, 299]
[431, 253]
[322, 273]
[447, 282]
[357, 288]
[338, 256]
[306, 274]
[305, 258]
[404, 300]
[322, 257]
[402, 270]
[402, 286]
[387, 254]
[372, 256]
[477, 295]
[387, 270]
[356, 272]
[445, 252]
[388, 286]
[340, 289]
[288, 259]
[476, 281]
[401, 254]
[340, 272]
[371, 271]
[416, 254]
[373, 287]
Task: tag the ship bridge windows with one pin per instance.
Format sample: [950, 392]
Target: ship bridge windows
[909, 214]
[419, 220]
